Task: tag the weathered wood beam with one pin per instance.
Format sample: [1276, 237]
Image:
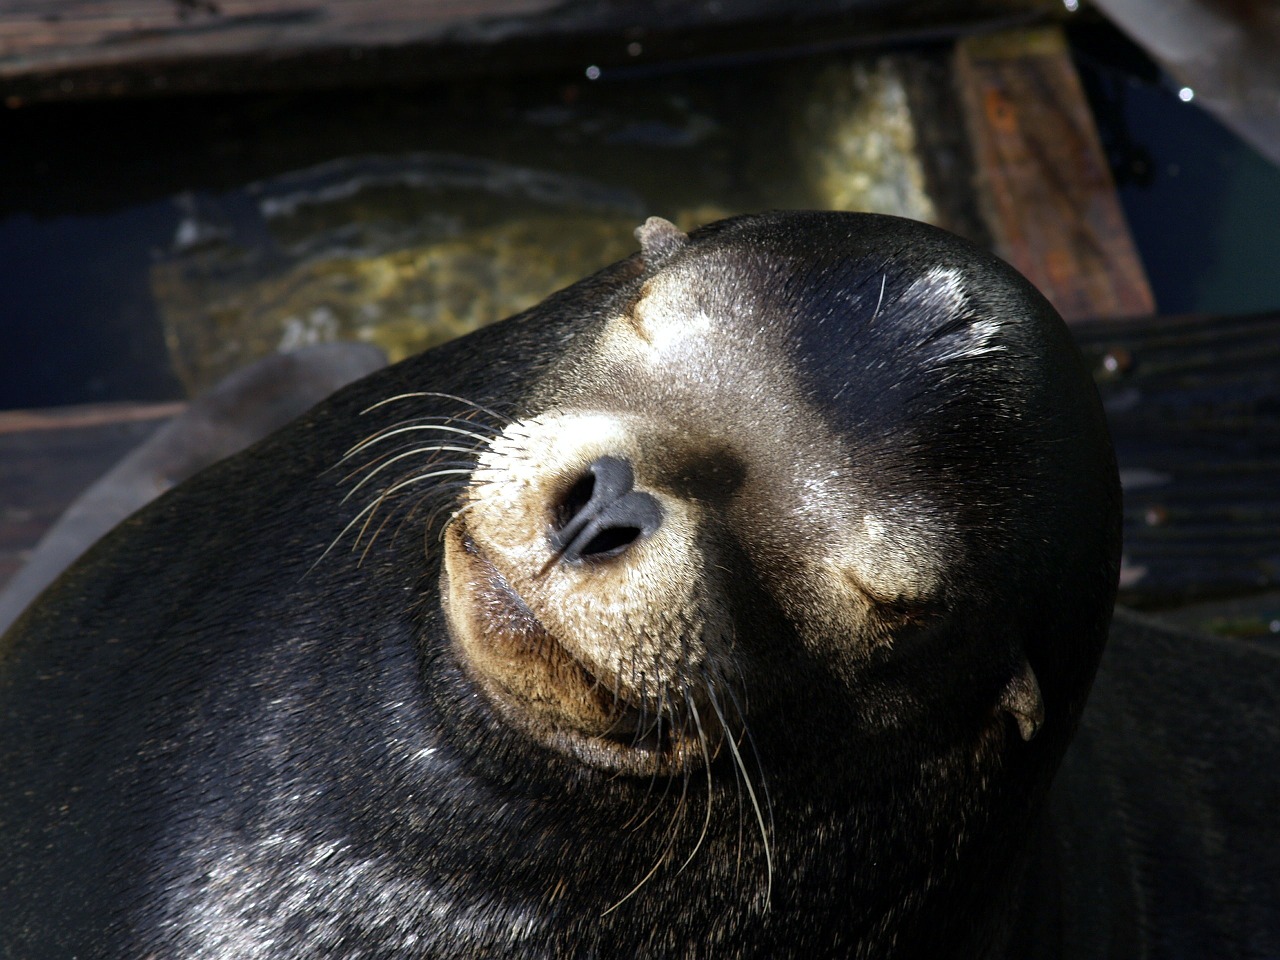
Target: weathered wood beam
[1043, 183]
[60, 49]
[1194, 407]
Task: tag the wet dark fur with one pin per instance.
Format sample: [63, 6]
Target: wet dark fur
[202, 729]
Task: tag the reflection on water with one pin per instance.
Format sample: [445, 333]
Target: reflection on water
[860, 145]
[404, 252]
[408, 250]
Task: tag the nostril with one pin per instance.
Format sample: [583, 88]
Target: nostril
[579, 496]
[610, 542]
[601, 515]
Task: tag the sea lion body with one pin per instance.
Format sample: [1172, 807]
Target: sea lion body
[353, 692]
[1161, 838]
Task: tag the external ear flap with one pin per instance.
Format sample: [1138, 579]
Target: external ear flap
[659, 239]
[1022, 699]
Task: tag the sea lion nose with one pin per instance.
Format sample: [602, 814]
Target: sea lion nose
[602, 515]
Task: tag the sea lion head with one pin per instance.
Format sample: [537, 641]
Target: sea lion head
[820, 501]
[901, 450]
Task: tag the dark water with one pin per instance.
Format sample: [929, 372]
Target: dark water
[1203, 206]
[92, 195]
[87, 191]
[77, 323]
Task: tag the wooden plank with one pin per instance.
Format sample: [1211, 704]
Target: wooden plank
[93, 415]
[49, 457]
[1194, 407]
[942, 143]
[1253, 617]
[1042, 178]
[51, 49]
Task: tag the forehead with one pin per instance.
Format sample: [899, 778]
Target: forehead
[862, 336]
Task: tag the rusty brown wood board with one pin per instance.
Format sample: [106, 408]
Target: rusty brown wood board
[1043, 184]
[1194, 406]
[53, 49]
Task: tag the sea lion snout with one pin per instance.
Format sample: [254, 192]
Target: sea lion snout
[603, 515]
[579, 594]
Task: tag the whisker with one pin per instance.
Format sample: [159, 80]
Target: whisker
[751, 742]
[879, 302]
[368, 511]
[672, 833]
[636, 738]
[394, 451]
[737, 777]
[706, 763]
[412, 426]
[372, 538]
[416, 451]
[755, 803]
[452, 487]
[429, 439]
[453, 516]
[412, 512]
[443, 396]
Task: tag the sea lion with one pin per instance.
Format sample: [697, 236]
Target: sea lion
[737, 601]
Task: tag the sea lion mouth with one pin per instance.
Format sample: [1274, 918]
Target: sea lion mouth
[538, 686]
